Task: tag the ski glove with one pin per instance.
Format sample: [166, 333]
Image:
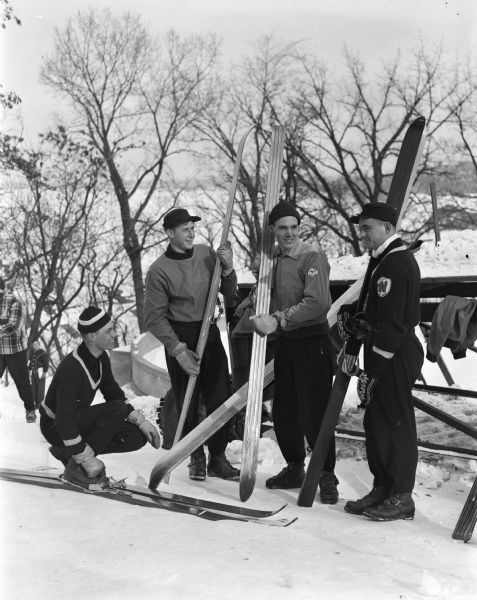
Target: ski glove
[136, 417]
[226, 257]
[366, 384]
[188, 359]
[343, 322]
[93, 467]
[264, 324]
[151, 433]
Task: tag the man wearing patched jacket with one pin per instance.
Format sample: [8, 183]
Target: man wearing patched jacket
[393, 358]
[303, 364]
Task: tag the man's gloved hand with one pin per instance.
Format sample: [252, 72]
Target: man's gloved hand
[188, 359]
[343, 322]
[366, 384]
[136, 417]
[226, 257]
[93, 467]
[151, 433]
[264, 324]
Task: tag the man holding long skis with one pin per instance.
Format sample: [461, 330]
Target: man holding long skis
[303, 365]
[177, 288]
[393, 358]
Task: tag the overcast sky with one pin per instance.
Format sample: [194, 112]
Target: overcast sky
[374, 28]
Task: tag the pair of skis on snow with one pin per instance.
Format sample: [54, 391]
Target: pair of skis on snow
[261, 375]
[206, 509]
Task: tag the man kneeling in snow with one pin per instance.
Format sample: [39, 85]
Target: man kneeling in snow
[77, 431]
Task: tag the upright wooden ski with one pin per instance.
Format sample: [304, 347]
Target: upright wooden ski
[251, 437]
[398, 197]
[213, 291]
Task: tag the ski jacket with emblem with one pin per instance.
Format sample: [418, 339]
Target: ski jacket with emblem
[392, 305]
[73, 387]
[301, 289]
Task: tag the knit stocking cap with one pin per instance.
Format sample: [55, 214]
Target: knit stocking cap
[92, 319]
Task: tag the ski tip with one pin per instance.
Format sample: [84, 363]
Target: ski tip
[154, 480]
[246, 489]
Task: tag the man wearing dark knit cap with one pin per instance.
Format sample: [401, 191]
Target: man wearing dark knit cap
[77, 431]
[303, 365]
[177, 287]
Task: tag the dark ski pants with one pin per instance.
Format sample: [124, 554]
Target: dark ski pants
[390, 423]
[102, 426]
[38, 388]
[17, 366]
[213, 381]
[303, 376]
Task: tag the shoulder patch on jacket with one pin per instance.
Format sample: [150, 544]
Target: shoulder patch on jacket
[312, 272]
[383, 286]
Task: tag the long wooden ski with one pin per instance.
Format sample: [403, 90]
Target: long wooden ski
[251, 437]
[398, 197]
[213, 291]
[140, 497]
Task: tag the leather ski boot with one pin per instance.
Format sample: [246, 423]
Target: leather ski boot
[397, 506]
[219, 466]
[375, 497]
[197, 466]
[328, 490]
[30, 416]
[291, 476]
[75, 474]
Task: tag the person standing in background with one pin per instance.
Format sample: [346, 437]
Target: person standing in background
[13, 347]
[38, 361]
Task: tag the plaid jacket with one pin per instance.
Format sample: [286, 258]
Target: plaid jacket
[13, 336]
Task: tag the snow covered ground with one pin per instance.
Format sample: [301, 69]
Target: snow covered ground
[59, 544]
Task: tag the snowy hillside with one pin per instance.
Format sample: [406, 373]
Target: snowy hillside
[455, 255]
